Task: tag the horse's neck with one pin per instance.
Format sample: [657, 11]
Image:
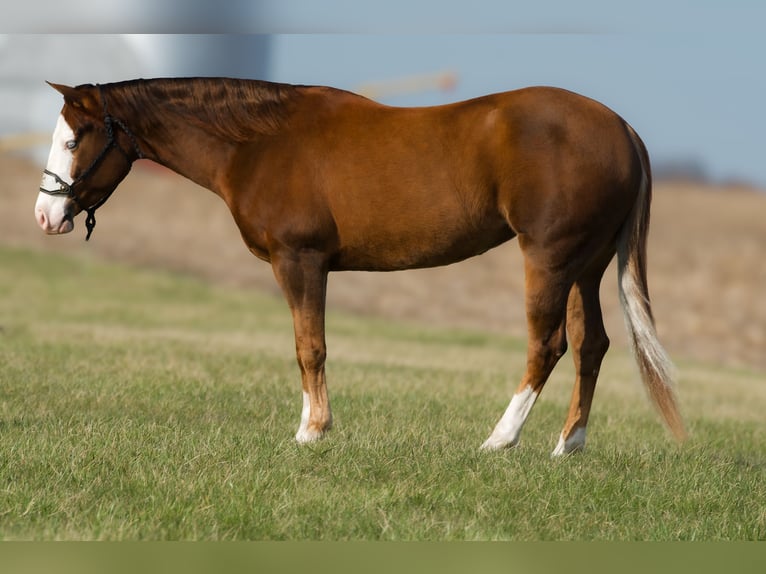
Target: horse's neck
[196, 136]
[189, 152]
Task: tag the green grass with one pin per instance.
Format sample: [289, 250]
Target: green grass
[146, 406]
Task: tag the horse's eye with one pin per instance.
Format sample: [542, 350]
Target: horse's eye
[71, 144]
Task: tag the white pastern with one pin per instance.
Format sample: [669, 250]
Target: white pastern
[575, 443]
[304, 435]
[509, 427]
[50, 212]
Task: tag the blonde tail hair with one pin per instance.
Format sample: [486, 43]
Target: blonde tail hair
[656, 368]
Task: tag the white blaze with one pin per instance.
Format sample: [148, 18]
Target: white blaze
[49, 209]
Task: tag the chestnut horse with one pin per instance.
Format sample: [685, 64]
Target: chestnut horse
[320, 180]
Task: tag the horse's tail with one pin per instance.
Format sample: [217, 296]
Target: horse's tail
[654, 364]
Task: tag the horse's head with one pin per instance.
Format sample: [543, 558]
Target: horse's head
[91, 153]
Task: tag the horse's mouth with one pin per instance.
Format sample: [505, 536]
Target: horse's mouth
[66, 226]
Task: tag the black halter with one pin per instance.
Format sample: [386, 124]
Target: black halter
[67, 189]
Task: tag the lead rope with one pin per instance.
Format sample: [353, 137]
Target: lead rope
[90, 222]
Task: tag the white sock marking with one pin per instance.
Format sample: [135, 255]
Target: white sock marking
[508, 429]
[304, 435]
[575, 443]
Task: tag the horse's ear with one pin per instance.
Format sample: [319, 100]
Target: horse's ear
[80, 97]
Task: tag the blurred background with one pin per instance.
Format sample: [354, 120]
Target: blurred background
[687, 75]
[697, 100]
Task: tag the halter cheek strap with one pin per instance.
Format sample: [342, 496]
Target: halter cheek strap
[67, 189]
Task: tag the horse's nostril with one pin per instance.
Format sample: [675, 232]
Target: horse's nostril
[42, 219]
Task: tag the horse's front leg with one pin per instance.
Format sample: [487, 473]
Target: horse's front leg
[303, 278]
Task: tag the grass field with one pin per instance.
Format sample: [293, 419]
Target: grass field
[146, 406]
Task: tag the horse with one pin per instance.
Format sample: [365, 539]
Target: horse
[320, 179]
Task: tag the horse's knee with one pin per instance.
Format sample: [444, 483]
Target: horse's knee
[311, 357]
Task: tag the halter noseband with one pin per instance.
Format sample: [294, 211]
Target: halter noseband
[67, 189]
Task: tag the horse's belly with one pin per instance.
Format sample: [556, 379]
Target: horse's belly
[397, 249]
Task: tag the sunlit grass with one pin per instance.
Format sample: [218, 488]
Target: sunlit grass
[138, 405]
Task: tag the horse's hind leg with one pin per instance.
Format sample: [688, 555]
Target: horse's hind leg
[303, 278]
[589, 343]
[546, 300]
